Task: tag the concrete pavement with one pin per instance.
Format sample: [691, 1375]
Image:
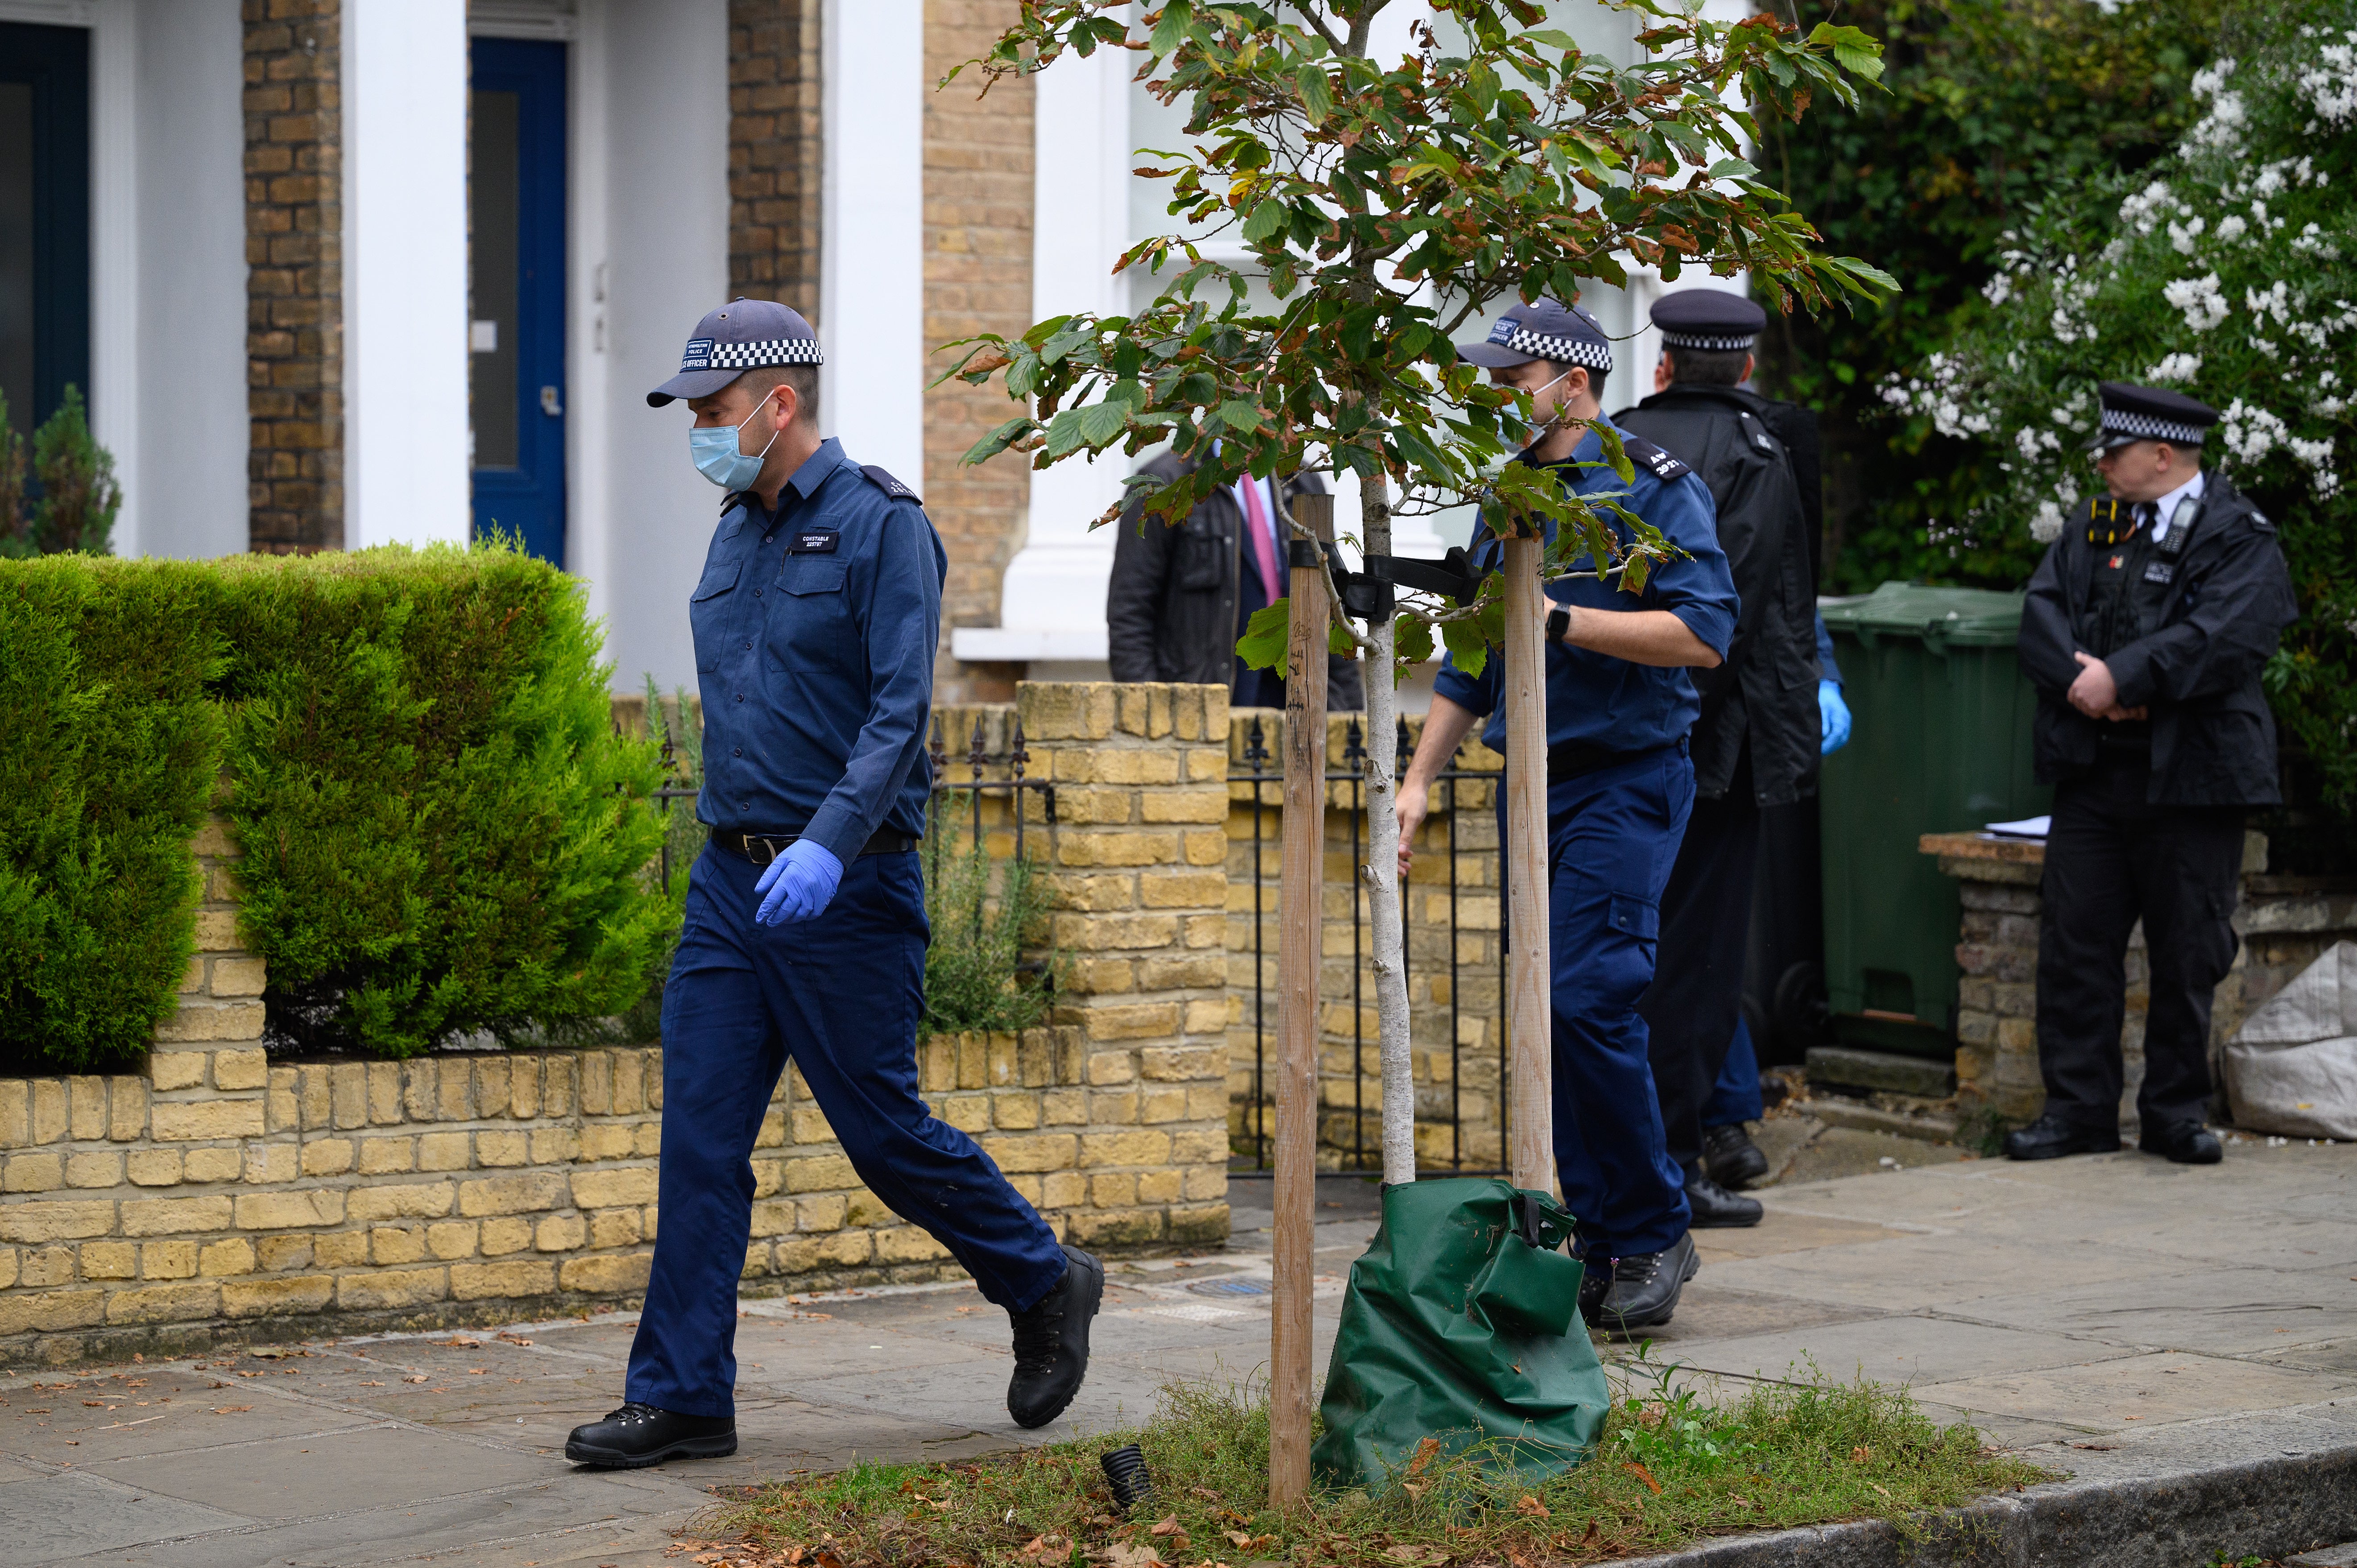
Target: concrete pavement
[2089, 1303]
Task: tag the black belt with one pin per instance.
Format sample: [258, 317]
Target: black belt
[1577, 759]
[763, 848]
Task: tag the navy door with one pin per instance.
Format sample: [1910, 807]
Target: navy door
[516, 336]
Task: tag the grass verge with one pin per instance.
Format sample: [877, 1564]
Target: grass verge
[1670, 1468]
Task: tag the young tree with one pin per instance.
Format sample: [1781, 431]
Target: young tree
[1386, 202]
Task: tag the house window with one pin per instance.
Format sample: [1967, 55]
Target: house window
[44, 217]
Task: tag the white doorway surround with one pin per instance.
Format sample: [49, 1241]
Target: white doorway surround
[407, 467]
[1051, 603]
[872, 254]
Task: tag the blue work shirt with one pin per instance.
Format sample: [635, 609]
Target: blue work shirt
[815, 628]
[1594, 698]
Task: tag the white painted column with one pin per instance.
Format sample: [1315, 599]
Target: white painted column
[406, 465]
[1052, 603]
[871, 293]
[112, 395]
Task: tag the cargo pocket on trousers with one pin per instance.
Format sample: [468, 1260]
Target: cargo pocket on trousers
[1633, 916]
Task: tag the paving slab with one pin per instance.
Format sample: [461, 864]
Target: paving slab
[1957, 1278]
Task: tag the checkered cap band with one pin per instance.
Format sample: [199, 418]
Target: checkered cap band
[1707, 345]
[1546, 346]
[2149, 427]
[704, 354]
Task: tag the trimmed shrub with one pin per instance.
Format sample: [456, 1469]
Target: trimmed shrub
[112, 753]
[444, 831]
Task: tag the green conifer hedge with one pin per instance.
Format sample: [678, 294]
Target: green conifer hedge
[443, 831]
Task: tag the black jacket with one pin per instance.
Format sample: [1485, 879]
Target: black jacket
[1170, 606]
[1766, 691]
[2196, 666]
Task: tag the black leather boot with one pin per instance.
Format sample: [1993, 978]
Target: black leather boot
[637, 1435]
[1645, 1288]
[1716, 1209]
[1731, 1156]
[1594, 1283]
[2186, 1143]
[1052, 1343]
[2051, 1137]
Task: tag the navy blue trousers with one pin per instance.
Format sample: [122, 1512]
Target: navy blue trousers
[841, 996]
[1735, 1099]
[1612, 836]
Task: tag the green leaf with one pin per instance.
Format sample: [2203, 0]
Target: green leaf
[1268, 218]
[1262, 646]
[1239, 416]
[1171, 31]
[998, 440]
[1101, 421]
[1338, 641]
[1317, 92]
[1466, 647]
[1411, 638]
[1854, 50]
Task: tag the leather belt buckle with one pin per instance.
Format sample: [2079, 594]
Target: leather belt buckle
[763, 848]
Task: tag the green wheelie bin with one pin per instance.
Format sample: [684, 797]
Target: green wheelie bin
[1940, 744]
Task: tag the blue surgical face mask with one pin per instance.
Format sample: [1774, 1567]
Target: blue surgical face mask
[714, 450]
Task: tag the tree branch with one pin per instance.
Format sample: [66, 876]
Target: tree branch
[1309, 13]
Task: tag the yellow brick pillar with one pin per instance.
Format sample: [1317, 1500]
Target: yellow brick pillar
[1136, 861]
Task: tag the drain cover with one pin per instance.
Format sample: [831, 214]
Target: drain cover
[1230, 1286]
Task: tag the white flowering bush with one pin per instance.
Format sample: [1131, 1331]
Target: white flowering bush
[2228, 271]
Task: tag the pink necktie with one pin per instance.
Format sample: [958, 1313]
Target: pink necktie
[1263, 547]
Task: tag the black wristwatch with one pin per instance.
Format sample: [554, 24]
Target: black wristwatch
[1558, 622]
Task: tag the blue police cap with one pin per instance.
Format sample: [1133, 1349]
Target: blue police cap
[742, 335]
[1708, 320]
[2131, 413]
[1542, 330]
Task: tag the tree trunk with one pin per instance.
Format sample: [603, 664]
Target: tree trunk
[1380, 875]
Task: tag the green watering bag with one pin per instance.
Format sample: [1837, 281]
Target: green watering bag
[1462, 1323]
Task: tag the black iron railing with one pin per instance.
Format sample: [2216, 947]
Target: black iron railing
[978, 760]
[1355, 1152]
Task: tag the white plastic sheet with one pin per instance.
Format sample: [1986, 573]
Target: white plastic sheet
[2292, 1069]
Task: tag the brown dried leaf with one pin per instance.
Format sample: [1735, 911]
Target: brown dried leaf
[1122, 1554]
[1530, 1507]
[1643, 1475]
[1426, 1452]
[1860, 1455]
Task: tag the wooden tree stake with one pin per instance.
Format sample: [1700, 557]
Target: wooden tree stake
[1530, 1028]
[1300, 940]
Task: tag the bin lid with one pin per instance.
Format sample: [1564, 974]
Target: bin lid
[1969, 617]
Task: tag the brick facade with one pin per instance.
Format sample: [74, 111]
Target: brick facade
[774, 151]
[294, 247]
[978, 204]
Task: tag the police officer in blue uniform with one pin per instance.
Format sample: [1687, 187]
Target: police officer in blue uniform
[816, 620]
[1620, 787]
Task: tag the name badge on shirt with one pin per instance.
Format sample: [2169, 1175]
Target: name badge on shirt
[2159, 572]
[817, 543]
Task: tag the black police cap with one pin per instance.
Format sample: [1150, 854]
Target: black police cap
[1708, 319]
[2131, 413]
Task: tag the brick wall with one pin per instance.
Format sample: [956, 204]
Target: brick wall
[293, 252]
[1456, 1053]
[978, 200]
[2285, 925]
[774, 151]
[223, 1194]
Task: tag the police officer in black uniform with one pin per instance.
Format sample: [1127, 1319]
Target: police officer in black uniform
[1755, 744]
[2145, 630]
[817, 622]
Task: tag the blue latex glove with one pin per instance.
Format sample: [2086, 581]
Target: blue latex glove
[799, 885]
[1833, 718]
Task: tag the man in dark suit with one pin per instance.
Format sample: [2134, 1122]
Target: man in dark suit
[1180, 597]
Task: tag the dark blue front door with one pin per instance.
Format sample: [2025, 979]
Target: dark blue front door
[516, 208]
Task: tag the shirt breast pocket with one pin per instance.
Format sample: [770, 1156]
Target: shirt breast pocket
[1201, 550]
[810, 626]
[709, 607]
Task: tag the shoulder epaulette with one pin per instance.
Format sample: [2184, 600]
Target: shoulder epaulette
[889, 485]
[1652, 459]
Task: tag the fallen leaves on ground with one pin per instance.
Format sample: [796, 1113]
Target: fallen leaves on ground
[1530, 1508]
[1643, 1475]
[230, 1409]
